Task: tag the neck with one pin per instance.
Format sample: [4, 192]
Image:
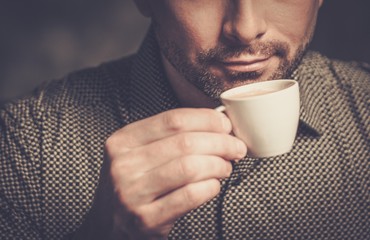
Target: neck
[187, 93]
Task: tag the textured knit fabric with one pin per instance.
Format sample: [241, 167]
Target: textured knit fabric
[52, 141]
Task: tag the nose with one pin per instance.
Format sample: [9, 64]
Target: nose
[244, 22]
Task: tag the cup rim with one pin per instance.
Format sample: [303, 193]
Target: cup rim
[226, 95]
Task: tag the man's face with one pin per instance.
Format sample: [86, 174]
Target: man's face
[220, 44]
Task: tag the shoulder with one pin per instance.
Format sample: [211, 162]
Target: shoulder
[80, 92]
[346, 76]
[83, 87]
[341, 85]
[349, 83]
[355, 74]
[88, 86]
[353, 81]
[60, 128]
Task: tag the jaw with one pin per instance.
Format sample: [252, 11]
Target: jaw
[186, 92]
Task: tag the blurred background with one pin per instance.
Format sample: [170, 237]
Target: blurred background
[45, 39]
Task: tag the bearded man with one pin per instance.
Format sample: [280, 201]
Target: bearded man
[133, 149]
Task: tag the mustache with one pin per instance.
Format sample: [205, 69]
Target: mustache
[221, 53]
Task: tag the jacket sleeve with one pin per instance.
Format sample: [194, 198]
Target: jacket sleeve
[20, 205]
[14, 222]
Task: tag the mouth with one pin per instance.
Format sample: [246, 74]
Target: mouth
[246, 64]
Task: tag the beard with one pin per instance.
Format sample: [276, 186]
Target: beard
[200, 75]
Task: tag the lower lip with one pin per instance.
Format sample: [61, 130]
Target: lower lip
[246, 67]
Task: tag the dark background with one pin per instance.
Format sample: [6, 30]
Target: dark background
[45, 39]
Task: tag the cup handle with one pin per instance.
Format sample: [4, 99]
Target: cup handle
[220, 108]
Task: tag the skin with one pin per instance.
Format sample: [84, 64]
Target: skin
[164, 171]
[222, 44]
[166, 165]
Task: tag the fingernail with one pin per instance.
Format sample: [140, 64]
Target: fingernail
[229, 170]
[241, 148]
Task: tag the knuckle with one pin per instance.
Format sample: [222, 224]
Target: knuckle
[220, 167]
[191, 196]
[116, 144]
[186, 143]
[173, 121]
[122, 166]
[124, 188]
[110, 144]
[144, 219]
[114, 171]
[125, 133]
[187, 167]
[126, 198]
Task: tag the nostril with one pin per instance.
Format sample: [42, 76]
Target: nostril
[260, 35]
[245, 22]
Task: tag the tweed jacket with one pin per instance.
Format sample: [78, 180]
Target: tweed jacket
[51, 151]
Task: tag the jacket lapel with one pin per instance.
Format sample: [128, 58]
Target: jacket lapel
[313, 88]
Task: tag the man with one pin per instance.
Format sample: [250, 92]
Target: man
[165, 150]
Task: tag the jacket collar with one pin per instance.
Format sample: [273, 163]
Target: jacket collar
[313, 76]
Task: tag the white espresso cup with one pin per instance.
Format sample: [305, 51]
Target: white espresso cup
[264, 115]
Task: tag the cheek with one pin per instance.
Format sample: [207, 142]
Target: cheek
[198, 37]
[295, 25]
[197, 30]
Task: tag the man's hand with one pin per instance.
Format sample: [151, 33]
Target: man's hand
[164, 166]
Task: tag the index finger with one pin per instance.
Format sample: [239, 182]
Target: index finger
[170, 123]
